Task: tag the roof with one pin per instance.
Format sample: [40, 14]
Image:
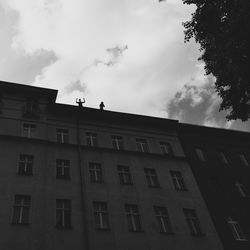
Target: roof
[28, 91]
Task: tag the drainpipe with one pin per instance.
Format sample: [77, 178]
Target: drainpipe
[82, 182]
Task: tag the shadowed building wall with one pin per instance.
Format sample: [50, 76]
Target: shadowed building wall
[220, 160]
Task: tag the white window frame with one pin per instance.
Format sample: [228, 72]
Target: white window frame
[163, 219]
[142, 145]
[29, 130]
[28, 159]
[224, 158]
[63, 210]
[239, 186]
[22, 205]
[178, 180]
[92, 138]
[63, 134]
[95, 167]
[236, 229]
[244, 159]
[101, 210]
[166, 148]
[200, 154]
[117, 142]
[132, 213]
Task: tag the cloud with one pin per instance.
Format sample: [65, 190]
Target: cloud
[115, 54]
[199, 104]
[16, 65]
[75, 86]
[79, 31]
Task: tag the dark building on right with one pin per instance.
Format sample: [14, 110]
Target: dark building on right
[220, 161]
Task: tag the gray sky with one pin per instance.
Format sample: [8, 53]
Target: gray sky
[129, 54]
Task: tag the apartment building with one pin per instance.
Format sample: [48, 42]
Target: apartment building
[73, 177]
[220, 161]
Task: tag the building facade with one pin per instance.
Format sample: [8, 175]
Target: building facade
[220, 160]
[80, 178]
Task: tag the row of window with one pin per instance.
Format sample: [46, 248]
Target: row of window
[224, 159]
[62, 136]
[22, 207]
[25, 167]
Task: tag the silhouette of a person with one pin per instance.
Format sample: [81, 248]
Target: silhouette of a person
[102, 106]
[80, 102]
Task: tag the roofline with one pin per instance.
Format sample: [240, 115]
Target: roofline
[196, 128]
[11, 87]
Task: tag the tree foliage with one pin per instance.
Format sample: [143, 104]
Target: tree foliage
[222, 28]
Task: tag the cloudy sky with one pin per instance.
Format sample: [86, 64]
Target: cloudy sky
[129, 54]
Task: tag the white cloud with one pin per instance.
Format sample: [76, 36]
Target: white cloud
[156, 64]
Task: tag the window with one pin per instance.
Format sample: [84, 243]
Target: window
[151, 177]
[241, 190]
[200, 154]
[162, 218]
[124, 175]
[142, 145]
[63, 213]
[117, 142]
[25, 164]
[223, 158]
[192, 221]
[62, 169]
[134, 221]
[178, 180]
[62, 135]
[92, 139]
[95, 171]
[166, 148]
[101, 215]
[31, 108]
[29, 130]
[236, 229]
[1, 104]
[21, 209]
[244, 160]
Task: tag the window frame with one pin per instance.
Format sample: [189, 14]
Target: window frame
[166, 148]
[142, 145]
[96, 172]
[62, 135]
[91, 139]
[178, 180]
[241, 190]
[193, 222]
[200, 154]
[64, 165]
[101, 215]
[236, 229]
[28, 161]
[163, 219]
[65, 212]
[224, 158]
[124, 174]
[133, 218]
[20, 208]
[152, 177]
[244, 160]
[29, 130]
[117, 142]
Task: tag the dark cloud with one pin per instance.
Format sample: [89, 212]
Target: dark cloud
[200, 105]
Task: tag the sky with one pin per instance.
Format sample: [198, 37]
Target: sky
[129, 54]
